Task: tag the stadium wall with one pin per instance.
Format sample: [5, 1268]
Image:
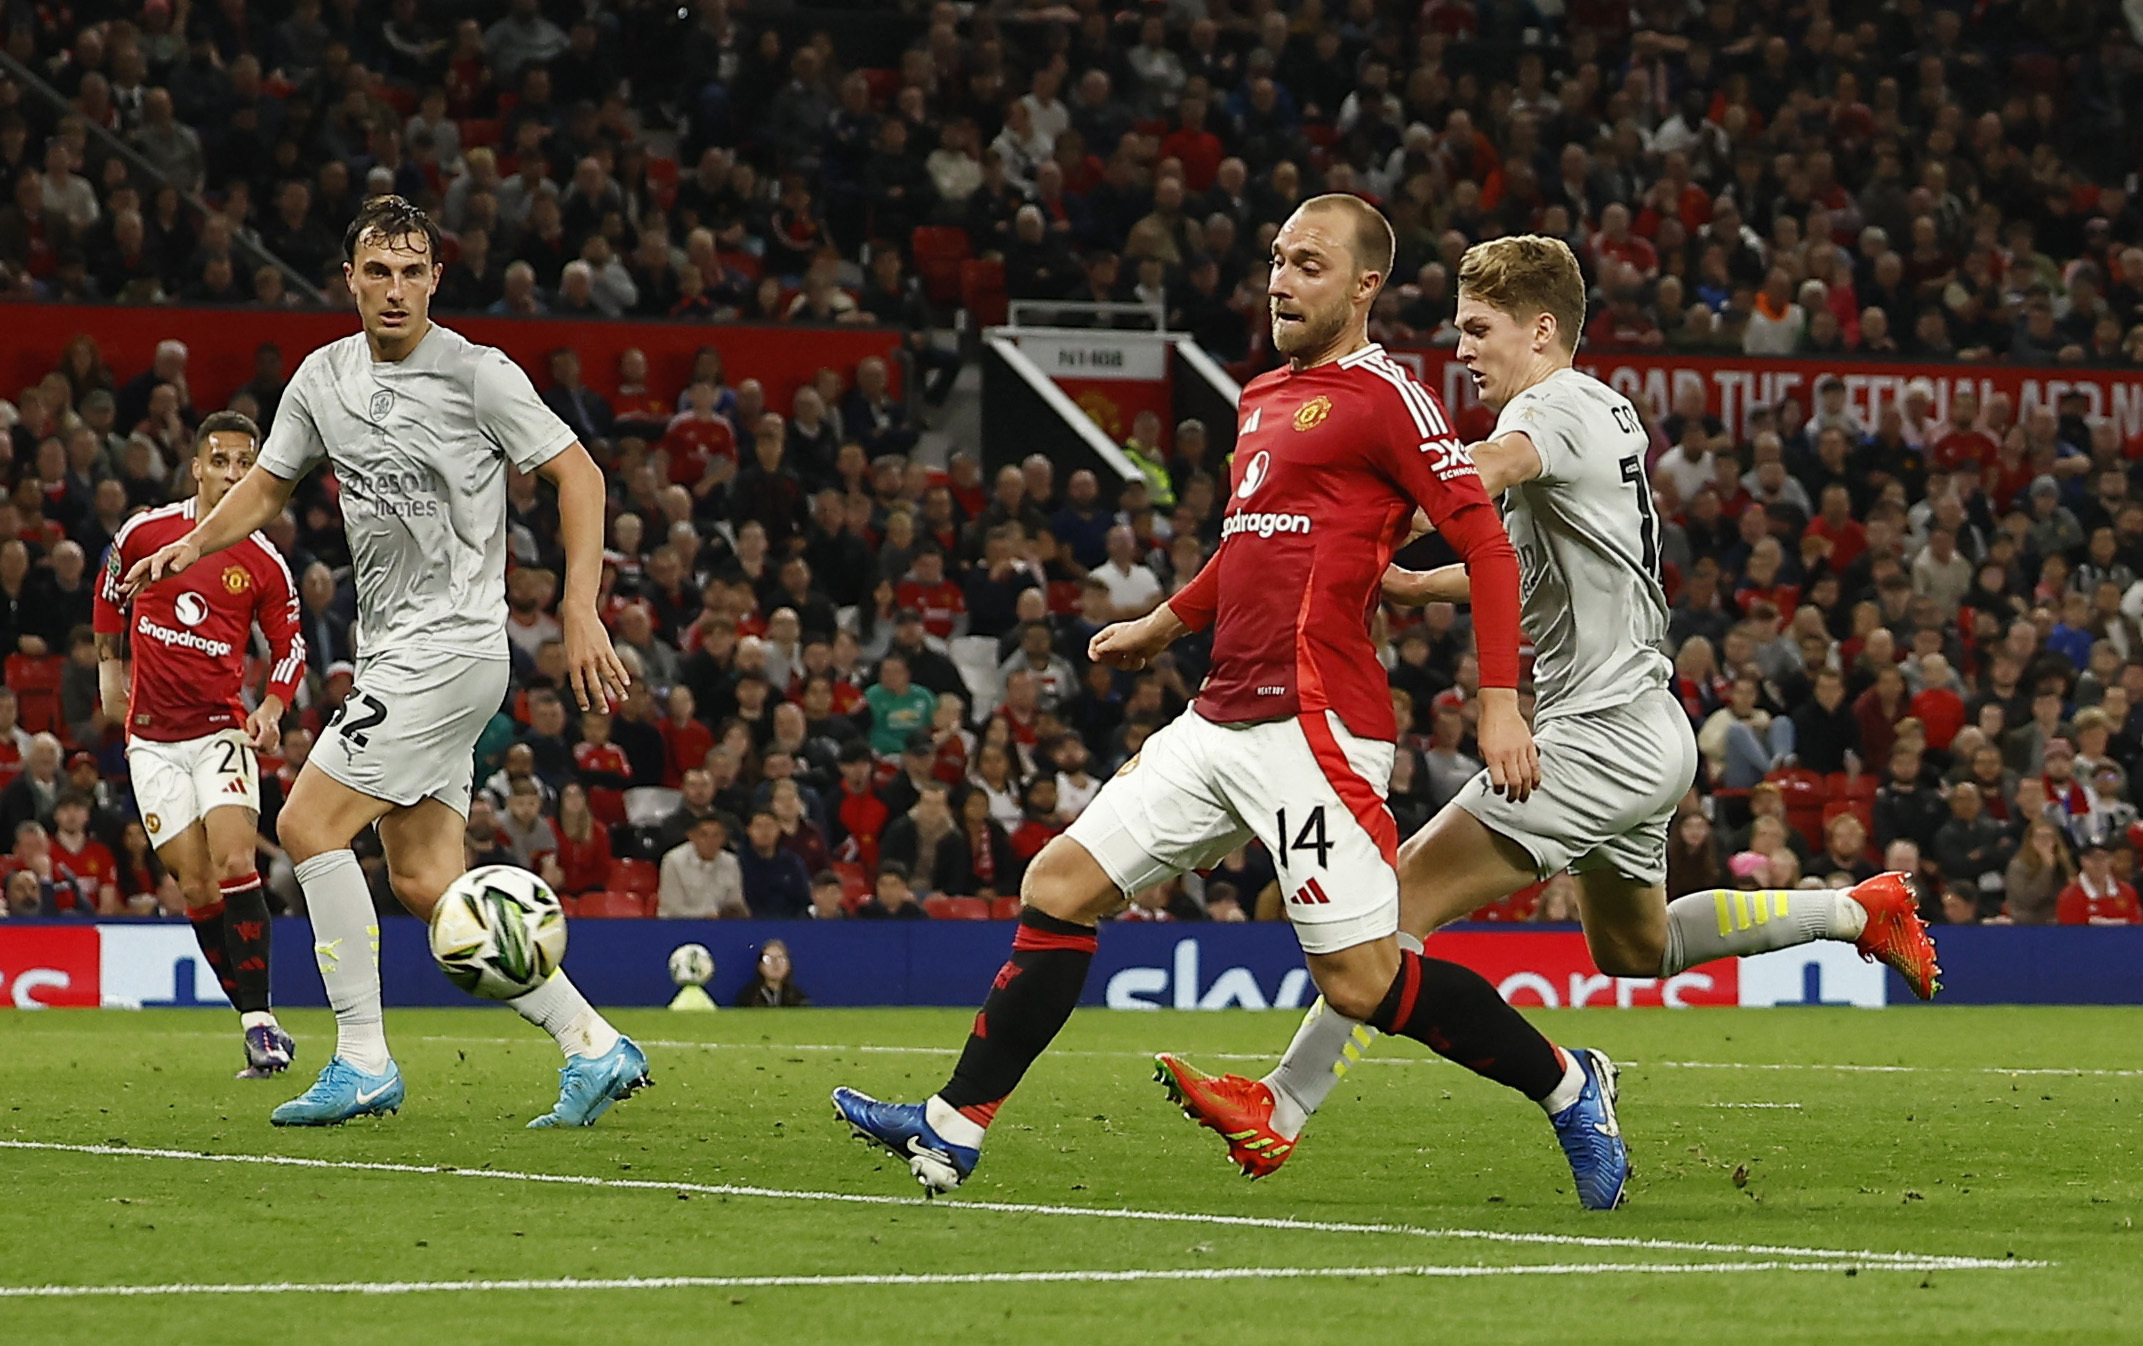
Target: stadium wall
[127, 964]
[1734, 384]
[220, 344]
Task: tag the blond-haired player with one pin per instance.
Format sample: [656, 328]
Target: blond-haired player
[1567, 458]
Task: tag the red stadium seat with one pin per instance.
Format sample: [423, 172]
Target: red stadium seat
[35, 680]
[1063, 597]
[635, 876]
[982, 291]
[939, 250]
[617, 906]
[1805, 794]
[569, 904]
[855, 884]
[1861, 787]
[1004, 908]
[607, 804]
[958, 908]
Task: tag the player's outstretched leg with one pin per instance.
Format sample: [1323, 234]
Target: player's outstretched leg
[602, 1067]
[1880, 917]
[941, 1137]
[1456, 1013]
[361, 1078]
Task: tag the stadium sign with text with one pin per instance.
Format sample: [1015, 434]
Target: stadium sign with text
[1732, 385]
[137, 964]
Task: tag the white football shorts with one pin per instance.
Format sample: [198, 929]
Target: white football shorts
[176, 784]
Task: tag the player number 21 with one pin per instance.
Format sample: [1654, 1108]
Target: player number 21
[1310, 838]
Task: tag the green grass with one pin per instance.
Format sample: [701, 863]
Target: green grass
[1949, 1158]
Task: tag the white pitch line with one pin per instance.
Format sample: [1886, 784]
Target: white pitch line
[1935, 1261]
[952, 1278]
[1794, 1107]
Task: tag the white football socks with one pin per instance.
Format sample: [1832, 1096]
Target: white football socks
[1324, 1049]
[1732, 923]
[1573, 1084]
[558, 1008]
[953, 1126]
[346, 946]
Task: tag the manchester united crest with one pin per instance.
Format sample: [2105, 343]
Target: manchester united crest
[153, 822]
[1311, 414]
[235, 579]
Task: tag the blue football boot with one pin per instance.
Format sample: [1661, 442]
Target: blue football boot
[938, 1164]
[1590, 1135]
[269, 1052]
[342, 1092]
[588, 1085]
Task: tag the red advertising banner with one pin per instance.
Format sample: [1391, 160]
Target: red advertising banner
[48, 966]
[1734, 384]
[220, 344]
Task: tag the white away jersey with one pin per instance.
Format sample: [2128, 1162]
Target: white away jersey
[420, 448]
[1588, 547]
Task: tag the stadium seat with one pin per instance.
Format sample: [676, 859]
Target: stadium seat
[1805, 794]
[634, 876]
[939, 250]
[982, 291]
[617, 906]
[1004, 908]
[607, 804]
[1862, 809]
[35, 680]
[1843, 786]
[958, 908]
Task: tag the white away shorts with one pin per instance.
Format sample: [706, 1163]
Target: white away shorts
[1610, 781]
[409, 728]
[1311, 791]
[176, 784]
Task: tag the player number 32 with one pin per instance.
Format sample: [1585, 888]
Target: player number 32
[356, 731]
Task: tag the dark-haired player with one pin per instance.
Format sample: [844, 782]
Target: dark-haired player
[1291, 737]
[420, 425]
[190, 741]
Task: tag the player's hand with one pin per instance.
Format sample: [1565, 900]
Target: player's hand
[1127, 645]
[593, 670]
[265, 725]
[1507, 746]
[169, 559]
[1419, 525]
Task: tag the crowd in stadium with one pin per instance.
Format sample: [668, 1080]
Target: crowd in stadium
[1915, 643]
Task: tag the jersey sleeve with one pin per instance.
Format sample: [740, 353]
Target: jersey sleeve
[294, 439]
[277, 613]
[1552, 430]
[1426, 461]
[108, 603]
[1196, 603]
[512, 417]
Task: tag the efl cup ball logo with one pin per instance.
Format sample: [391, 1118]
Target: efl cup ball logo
[1254, 475]
[190, 608]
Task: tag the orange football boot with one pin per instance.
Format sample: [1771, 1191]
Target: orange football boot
[1239, 1109]
[1895, 932]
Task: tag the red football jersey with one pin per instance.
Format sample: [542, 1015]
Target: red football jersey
[1330, 464]
[693, 445]
[86, 871]
[940, 604]
[188, 633]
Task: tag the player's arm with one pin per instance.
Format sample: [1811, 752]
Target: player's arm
[1503, 462]
[1137, 643]
[1452, 494]
[245, 509]
[598, 677]
[108, 621]
[278, 614]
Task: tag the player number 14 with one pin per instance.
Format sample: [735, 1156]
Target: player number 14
[1310, 838]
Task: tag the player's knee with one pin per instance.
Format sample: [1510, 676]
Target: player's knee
[418, 889]
[240, 862]
[1066, 882]
[1353, 997]
[303, 838]
[200, 891]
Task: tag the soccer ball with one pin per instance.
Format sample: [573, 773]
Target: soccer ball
[498, 932]
[691, 965]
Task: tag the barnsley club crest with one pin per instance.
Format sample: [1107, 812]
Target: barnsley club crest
[382, 402]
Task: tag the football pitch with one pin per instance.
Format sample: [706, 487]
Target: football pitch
[1801, 1175]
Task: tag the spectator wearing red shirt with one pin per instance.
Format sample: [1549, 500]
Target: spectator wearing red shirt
[1835, 524]
[926, 590]
[599, 761]
[1937, 705]
[700, 444]
[1615, 243]
[859, 815]
[1198, 149]
[685, 737]
[85, 861]
[1039, 821]
[581, 864]
[1962, 446]
[2095, 896]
